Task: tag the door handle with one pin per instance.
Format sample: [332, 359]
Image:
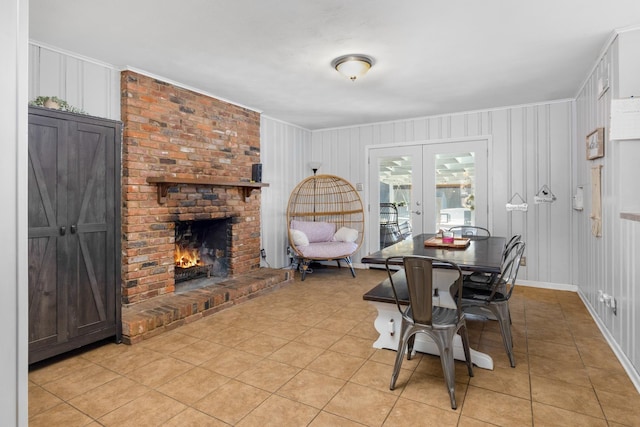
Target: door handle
[63, 230]
[74, 228]
[416, 212]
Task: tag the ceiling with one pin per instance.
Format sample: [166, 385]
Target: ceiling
[274, 56]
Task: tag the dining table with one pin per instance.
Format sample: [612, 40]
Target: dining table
[478, 254]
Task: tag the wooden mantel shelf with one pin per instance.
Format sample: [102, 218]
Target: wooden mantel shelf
[164, 182]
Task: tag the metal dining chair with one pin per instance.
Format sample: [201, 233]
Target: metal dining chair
[421, 316]
[494, 299]
[486, 279]
[470, 231]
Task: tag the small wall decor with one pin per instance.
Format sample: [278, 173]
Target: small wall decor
[522, 206]
[595, 144]
[596, 201]
[544, 195]
[578, 198]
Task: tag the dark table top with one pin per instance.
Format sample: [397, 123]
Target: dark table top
[482, 255]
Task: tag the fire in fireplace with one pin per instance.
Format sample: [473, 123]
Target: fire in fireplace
[201, 249]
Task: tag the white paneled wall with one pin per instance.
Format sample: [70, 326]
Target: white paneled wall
[284, 149]
[531, 146]
[609, 263]
[84, 83]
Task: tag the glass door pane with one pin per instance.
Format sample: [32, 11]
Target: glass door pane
[395, 181]
[456, 185]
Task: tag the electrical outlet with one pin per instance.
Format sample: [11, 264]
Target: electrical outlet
[263, 253]
[523, 261]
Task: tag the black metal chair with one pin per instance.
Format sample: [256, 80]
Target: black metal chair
[485, 279]
[421, 316]
[493, 300]
[470, 231]
[389, 227]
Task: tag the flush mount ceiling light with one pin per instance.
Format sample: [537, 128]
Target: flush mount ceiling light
[352, 66]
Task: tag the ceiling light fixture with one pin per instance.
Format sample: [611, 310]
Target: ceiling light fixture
[352, 66]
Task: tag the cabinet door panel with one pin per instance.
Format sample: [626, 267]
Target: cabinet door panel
[93, 213]
[46, 223]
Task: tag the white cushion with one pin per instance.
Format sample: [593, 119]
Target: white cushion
[328, 250]
[316, 231]
[346, 234]
[299, 238]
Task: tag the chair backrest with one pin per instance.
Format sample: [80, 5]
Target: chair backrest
[419, 272]
[507, 279]
[507, 248]
[388, 213]
[470, 231]
[326, 198]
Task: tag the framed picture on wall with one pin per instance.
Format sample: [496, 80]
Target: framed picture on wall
[595, 144]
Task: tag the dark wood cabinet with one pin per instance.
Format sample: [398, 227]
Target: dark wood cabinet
[74, 231]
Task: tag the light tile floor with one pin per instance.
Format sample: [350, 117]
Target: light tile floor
[302, 355]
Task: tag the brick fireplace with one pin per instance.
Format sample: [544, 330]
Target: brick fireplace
[186, 161]
[171, 131]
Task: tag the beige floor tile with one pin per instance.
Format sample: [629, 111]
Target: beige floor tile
[557, 335]
[109, 396]
[572, 372]
[232, 401]
[597, 353]
[354, 346]
[151, 408]
[231, 336]
[278, 411]
[286, 330]
[623, 409]
[503, 380]
[496, 408]
[168, 342]
[130, 359]
[194, 418]
[262, 344]
[550, 416]
[40, 400]
[60, 415]
[268, 375]
[337, 365]
[567, 352]
[80, 381]
[325, 419]
[311, 388]
[472, 422]
[160, 371]
[432, 365]
[198, 352]
[231, 362]
[319, 338]
[378, 376]
[565, 396]
[388, 357]
[193, 385]
[612, 381]
[433, 391]
[408, 412]
[362, 404]
[296, 354]
[339, 325]
[48, 371]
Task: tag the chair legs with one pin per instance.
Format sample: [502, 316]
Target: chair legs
[501, 312]
[350, 264]
[444, 341]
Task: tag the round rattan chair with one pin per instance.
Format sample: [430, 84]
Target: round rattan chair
[326, 208]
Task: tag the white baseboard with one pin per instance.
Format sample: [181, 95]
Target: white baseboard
[548, 285]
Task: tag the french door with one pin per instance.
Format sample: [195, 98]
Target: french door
[424, 187]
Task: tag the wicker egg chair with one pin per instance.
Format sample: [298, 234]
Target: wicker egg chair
[329, 210]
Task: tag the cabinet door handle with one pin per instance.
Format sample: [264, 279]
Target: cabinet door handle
[74, 228]
[63, 230]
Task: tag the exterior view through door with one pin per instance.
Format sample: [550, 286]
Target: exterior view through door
[422, 188]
